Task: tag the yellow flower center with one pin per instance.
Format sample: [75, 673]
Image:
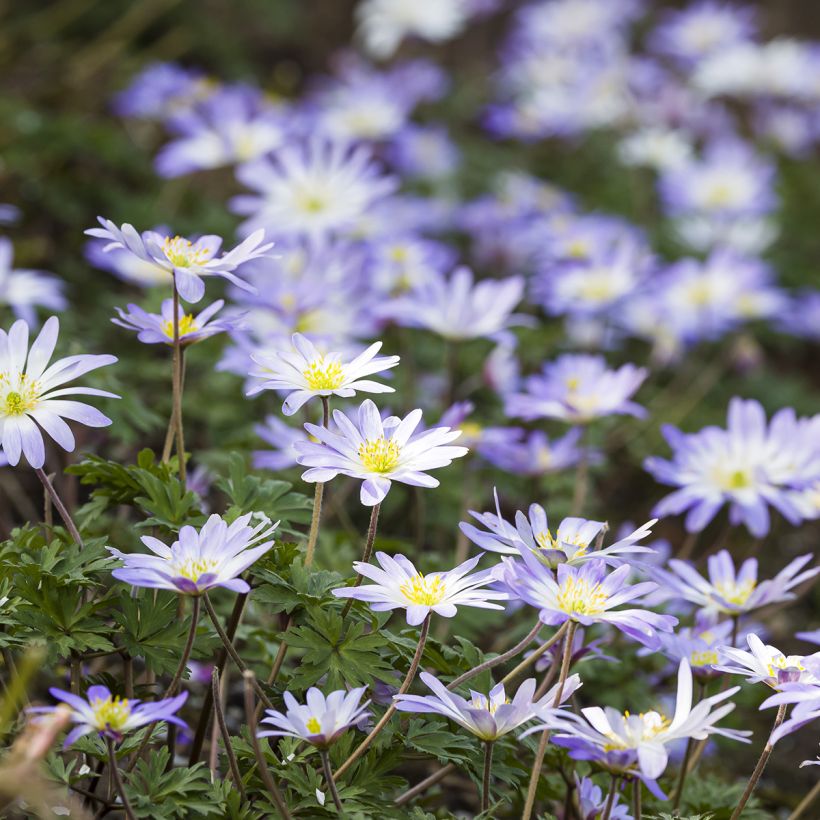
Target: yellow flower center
[728, 478]
[311, 202]
[399, 253]
[720, 195]
[111, 713]
[180, 252]
[470, 429]
[322, 375]
[784, 662]
[577, 249]
[485, 704]
[313, 726]
[580, 597]
[24, 398]
[196, 567]
[652, 724]
[424, 591]
[186, 325]
[379, 455]
[734, 593]
[706, 658]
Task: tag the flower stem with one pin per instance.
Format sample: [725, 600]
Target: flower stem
[687, 755]
[805, 802]
[425, 784]
[317, 497]
[485, 782]
[176, 386]
[232, 653]
[407, 683]
[566, 660]
[264, 772]
[637, 810]
[761, 765]
[170, 434]
[223, 730]
[579, 493]
[531, 659]
[61, 508]
[368, 551]
[117, 778]
[331, 783]
[498, 659]
[610, 800]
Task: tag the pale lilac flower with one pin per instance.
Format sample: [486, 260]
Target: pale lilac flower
[377, 452]
[214, 556]
[306, 372]
[733, 592]
[31, 391]
[698, 645]
[767, 664]
[585, 594]
[426, 152]
[162, 89]
[804, 697]
[578, 388]
[321, 720]
[489, 716]
[158, 328]
[399, 585]
[592, 801]
[186, 261]
[749, 465]
[282, 439]
[111, 716]
[657, 148]
[532, 453]
[24, 290]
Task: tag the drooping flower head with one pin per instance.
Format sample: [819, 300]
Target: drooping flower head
[767, 664]
[488, 716]
[320, 721]
[306, 372]
[158, 328]
[185, 260]
[377, 451]
[214, 556]
[399, 585]
[25, 290]
[111, 716]
[32, 398]
[578, 388]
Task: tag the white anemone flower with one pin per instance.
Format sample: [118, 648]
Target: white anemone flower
[767, 664]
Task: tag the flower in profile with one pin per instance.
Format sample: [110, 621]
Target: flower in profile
[214, 556]
[578, 388]
[635, 744]
[282, 439]
[31, 392]
[585, 594]
[24, 290]
[306, 372]
[111, 716]
[804, 697]
[697, 644]
[767, 664]
[185, 260]
[531, 453]
[399, 585]
[459, 308]
[158, 328]
[731, 592]
[377, 452]
[160, 90]
[488, 716]
[749, 465]
[321, 720]
[592, 801]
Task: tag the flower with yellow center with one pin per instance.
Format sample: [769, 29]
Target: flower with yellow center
[379, 455]
[424, 591]
[111, 713]
[578, 596]
[321, 374]
[182, 253]
[187, 324]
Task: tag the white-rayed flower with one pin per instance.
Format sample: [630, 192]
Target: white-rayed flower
[307, 372]
[399, 585]
[488, 716]
[31, 393]
[320, 720]
[377, 451]
[767, 664]
[24, 290]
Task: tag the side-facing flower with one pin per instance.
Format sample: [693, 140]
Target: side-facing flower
[804, 696]
[306, 372]
[697, 644]
[376, 451]
[488, 716]
[111, 716]
[185, 260]
[214, 556]
[399, 585]
[31, 393]
[767, 664]
[320, 720]
[158, 328]
[24, 290]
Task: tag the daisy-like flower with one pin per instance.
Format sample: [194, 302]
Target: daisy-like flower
[636, 744]
[767, 664]
[111, 716]
[314, 191]
[158, 328]
[578, 388]
[733, 592]
[532, 453]
[306, 372]
[399, 585]
[185, 260]
[214, 556]
[321, 720]
[24, 290]
[584, 594]
[282, 439]
[697, 644]
[31, 393]
[488, 716]
[573, 543]
[804, 697]
[749, 465]
[377, 452]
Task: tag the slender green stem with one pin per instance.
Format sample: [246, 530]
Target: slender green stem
[117, 778]
[61, 508]
[425, 784]
[331, 783]
[579, 493]
[761, 765]
[318, 492]
[176, 385]
[223, 730]
[368, 551]
[687, 755]
[170, 433]
[531, 659]
[407, 683]
[566, 660]
[805, 802]
[485, 781]
[610, 800]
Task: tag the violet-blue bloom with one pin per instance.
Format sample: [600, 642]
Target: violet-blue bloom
[282, 439]
[158, 328]
[161, 89]
[592, 801]
[531, 453]
[24, 290]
